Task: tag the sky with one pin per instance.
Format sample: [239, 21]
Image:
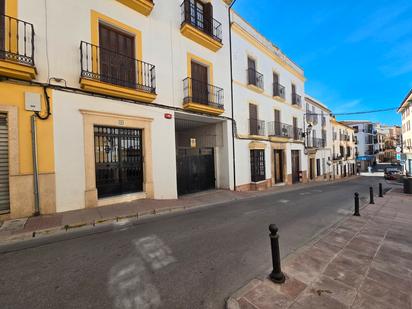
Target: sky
[357, 55]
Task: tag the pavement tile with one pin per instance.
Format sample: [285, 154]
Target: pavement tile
[399, 237]
[392, 268]
[341, 292]
[337, 239]
[363, 246]
[291, 288]
[364, 301]
[43, 222]
[391, 281]
[381, 293]
[344, 275]
[265, 297]
[327, 246]
[310, 299]
[350, 262]
[244, 304]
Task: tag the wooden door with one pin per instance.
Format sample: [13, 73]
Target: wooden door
[251, 64]
[295, 166]
[295, 128]
[278, 166]
[278, 129]
[311, 168]
[253, 121]
[276, 90]
[200, 93]
[117, 63]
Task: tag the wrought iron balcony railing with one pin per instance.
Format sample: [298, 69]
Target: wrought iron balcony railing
[279, 129]
[311, 118]
[107, 66]
[200, 92]
[316, 143]
[256, 127]
[296, 99]
[254, 78]
[278, 90]
[196, 17]
[16, 40]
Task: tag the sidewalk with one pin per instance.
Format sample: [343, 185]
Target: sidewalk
[27, 228]
[362, 262]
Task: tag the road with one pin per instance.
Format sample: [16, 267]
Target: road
[192, 259]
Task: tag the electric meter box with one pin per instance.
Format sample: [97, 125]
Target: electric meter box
[32, 101]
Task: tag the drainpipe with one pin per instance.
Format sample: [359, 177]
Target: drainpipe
[35, 165]
[231, 95]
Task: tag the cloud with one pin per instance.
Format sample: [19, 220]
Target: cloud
[346, 106]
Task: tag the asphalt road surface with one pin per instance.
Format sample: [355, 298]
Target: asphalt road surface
[192, 259]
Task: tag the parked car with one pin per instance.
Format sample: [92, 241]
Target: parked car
[392, 173]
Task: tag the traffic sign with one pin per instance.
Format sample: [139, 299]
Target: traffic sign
[398, 149]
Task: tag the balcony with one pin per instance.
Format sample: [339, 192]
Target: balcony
[316, 143]
[323, 121]
[255, 80]
[199, 27]
[336, 157]
[106, 72]
[311, 118]
[297, 134]
[296, 99]
[202, 97]
[144, 7]
[280, 130]
[256, 127]
[16, 48]
[278, 91]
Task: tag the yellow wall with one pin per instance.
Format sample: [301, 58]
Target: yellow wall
[13, 94]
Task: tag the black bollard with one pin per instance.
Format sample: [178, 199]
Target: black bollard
[357, 214]
[276, 275]
[371, 195]
[380, 190]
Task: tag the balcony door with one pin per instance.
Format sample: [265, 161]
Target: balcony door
[117, 63]
[251, 65]
[200, 93]
[277, 123]
[253, 121]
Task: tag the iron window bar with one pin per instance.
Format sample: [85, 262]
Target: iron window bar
[16, 40]
[256, 127]
[255, 78]
[278, 90]
[194, 16]
[101, 64]
[203, 93]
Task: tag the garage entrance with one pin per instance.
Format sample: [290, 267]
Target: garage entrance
[195, 170]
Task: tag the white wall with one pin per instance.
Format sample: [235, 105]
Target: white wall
[69, 146]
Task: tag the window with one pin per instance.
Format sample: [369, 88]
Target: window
[257, 165]
[318, 173]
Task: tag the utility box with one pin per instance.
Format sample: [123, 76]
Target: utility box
[32, 101]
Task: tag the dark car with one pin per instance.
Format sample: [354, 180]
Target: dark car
[392, 173]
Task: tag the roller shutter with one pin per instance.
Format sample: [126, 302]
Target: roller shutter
[4, 165]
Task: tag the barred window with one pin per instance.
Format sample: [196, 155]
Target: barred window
[257, 165]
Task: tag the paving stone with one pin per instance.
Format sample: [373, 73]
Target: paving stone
[310, 299]
[244, 304]
[291, 288]
[381, 293]
[327, 246]
[390, 280]
[344, 275]
[305, 268]
[363, 246]
[351, 263]
[392, 268]
[364, 301]
[265, 297]
[335, 289]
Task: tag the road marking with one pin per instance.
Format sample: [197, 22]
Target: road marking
[318, 191]
[284, 201]
[305, 193]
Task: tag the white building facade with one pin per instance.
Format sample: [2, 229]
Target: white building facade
[406, 112]
[141, 97]
[344, 150]
[318, 139]
[268, 97]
